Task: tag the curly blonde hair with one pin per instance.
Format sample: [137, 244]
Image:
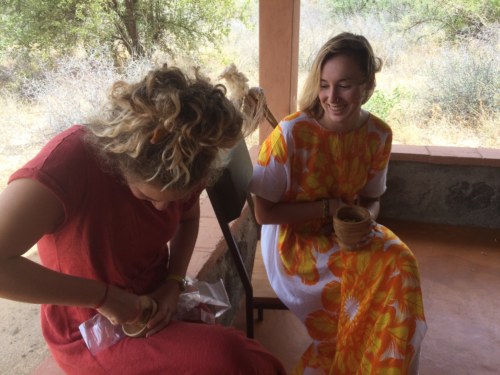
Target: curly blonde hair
[356, 46]
[166, 129]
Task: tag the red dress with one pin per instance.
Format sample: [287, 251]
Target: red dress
[110, 235]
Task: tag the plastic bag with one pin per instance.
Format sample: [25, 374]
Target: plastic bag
[98, 333]
[202, 302]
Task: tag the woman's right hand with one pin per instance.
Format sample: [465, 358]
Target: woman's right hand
[335, 204]
[120, 306]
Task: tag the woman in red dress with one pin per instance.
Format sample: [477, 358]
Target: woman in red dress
[113, 208]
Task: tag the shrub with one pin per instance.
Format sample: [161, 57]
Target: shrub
[76, 87]
[386, 104]
[463, 79]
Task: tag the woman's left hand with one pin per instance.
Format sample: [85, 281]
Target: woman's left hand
[166, 297]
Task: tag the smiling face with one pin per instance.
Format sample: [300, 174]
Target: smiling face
[341, 93]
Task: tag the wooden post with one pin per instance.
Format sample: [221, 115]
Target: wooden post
[278, 57]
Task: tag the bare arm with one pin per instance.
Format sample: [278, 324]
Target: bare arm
[28, 211]
[268, 212]
[182, 244]
[181, 250]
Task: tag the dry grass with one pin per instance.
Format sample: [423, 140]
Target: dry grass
[417, 90]
[442, 130]
[21, 135]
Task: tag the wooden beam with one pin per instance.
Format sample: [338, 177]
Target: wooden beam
[278, 57]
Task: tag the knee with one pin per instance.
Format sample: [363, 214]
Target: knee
[239, 355]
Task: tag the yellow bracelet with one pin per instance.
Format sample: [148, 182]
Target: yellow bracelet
[182, 281]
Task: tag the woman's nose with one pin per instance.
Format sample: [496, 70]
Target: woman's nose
[333, 95]
[160, 206]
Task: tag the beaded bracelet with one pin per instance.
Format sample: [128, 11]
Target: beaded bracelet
[103, 299]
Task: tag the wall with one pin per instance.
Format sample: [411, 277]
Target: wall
[448, 185]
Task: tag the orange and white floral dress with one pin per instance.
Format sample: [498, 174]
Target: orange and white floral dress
[362, 309]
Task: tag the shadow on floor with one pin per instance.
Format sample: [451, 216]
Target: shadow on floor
[460, 275]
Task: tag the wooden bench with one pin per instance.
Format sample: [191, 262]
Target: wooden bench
[263, 295]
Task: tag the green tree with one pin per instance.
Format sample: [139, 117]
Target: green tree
[138, 25]
[454, 17]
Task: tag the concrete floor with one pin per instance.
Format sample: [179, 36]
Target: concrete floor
[460, 272]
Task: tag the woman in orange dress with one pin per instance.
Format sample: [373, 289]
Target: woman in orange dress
[362, 309]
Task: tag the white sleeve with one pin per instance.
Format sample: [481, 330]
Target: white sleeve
[269, 182]
[376, 186]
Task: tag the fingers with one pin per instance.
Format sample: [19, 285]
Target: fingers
[157, 328]
[160, 320]
[365, 240]
[127, 308]
[369, 235]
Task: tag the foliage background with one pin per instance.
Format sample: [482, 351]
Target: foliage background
[439, 84]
